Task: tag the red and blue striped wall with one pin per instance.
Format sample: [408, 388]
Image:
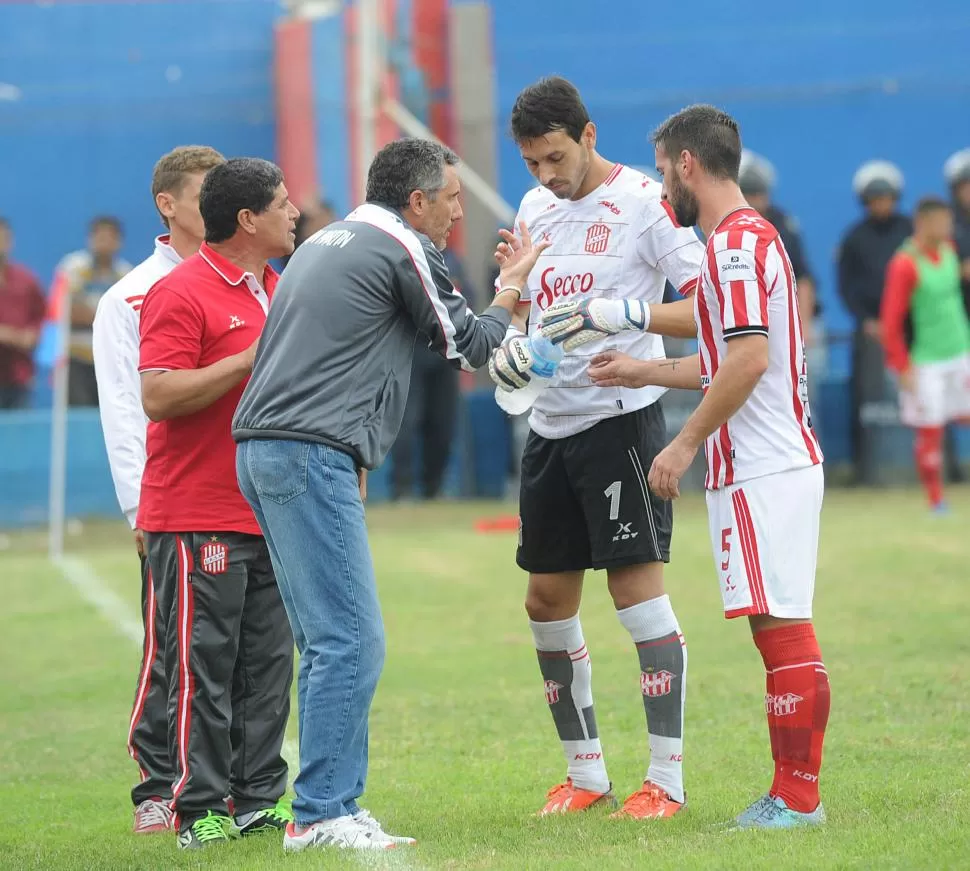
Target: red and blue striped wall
[315, 86]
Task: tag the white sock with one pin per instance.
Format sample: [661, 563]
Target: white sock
[566, 672]
[663, 682]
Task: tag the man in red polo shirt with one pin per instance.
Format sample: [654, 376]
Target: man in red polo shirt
[228, 645]
[22, 307]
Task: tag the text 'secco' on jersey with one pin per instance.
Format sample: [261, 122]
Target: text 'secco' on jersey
[618, 242]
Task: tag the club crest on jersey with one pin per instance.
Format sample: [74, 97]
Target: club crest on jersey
[597, 239]
[782, 706]
[552, 691]
[214, 557]
[656, 683]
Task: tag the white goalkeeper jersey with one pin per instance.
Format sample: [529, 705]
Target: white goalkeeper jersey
[618, 242]
[116, 349]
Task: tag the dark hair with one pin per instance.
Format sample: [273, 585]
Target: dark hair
[709, 134]
[550, 104]
[239, 183]
[931, 204]
[407, 165]
[109, 221]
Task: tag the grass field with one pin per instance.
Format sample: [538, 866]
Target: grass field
[463, 747]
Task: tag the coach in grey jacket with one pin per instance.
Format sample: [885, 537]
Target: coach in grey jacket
[324, 404]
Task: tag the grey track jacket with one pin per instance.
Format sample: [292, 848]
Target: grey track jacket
[333, 364]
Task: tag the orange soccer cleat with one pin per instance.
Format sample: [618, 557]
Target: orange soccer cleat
[567, 798]
[649, 803]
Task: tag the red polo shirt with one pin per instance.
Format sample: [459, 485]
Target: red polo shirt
[22, 305]
[204, 310]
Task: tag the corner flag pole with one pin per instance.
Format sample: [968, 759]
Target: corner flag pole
[57, 492]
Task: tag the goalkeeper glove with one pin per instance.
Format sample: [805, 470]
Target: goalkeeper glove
[578, 321]
[510, 362]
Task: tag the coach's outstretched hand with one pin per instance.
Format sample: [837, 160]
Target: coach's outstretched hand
[516, 255]
[615, 369]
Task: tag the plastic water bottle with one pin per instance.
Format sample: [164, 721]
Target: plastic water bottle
[545, 361]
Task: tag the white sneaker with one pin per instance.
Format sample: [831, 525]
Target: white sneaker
[345, 833]
[365, 819]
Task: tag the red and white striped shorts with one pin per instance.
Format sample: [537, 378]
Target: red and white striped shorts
[764, 533]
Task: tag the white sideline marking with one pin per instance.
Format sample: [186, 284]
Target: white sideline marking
[125, 621]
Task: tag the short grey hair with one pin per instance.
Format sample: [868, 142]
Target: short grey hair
[405, 166]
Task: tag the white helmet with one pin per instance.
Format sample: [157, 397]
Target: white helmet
[876, 178]
[756, 175]
[956, 170]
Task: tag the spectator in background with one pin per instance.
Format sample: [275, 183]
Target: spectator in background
[863, 256]
[956, 171]
[431, 413]
[314, 216]
[923, 284]
[757, 179]
[80, 280]
[22, 307]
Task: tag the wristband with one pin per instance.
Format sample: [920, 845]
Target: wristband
[510, 288]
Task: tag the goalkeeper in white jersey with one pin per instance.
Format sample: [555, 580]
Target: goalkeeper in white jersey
[584, 501]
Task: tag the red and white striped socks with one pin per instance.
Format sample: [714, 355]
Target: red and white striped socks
[797, 701]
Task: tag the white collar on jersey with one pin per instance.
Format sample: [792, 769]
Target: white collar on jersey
[164, 249]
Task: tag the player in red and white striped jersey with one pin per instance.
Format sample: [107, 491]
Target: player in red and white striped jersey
[747, 285]
[764, 475]
[176, 181]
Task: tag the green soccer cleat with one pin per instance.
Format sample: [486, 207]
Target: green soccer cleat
[205, 831]
[772, 813]
[270, 819]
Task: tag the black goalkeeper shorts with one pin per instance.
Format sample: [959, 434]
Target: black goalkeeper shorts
[584, 501]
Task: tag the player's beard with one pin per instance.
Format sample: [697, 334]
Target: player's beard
[682, 201]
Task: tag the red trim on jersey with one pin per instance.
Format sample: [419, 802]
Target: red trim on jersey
[739, 301]
[135, 297]
[612, 176]
[760, 257]
[799, 409]
[707, 340]
[749, 551]
[723, 436]
[183, 716]
[689, 287]
[670, 213]
[145, 678]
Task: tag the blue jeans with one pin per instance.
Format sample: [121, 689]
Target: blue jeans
[306, 499]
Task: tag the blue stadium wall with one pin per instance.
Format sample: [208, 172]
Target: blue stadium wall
[104, 90]
[818, 88]
[101, 89]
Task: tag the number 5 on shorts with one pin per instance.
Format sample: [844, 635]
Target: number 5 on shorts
[726, 548]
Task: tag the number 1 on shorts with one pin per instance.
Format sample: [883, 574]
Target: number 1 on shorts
[613, 494]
